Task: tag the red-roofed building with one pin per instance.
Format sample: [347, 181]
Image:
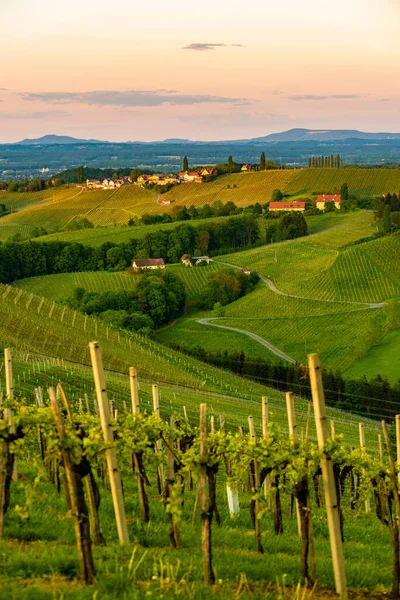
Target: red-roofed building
[322, 198]
[283, 206]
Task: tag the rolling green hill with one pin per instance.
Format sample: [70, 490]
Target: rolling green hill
[55, 208]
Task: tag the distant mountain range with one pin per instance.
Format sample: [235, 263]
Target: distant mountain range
[292, 135]
[52, 139]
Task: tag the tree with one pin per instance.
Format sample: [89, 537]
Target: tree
[203, 240]
[134, 174]
[219, 310]
[185, 165]
[329, 207]
[262, 161]
[387, 220]
[231, 164]
[276, 195]
[395, 218]
[80, 174]
[344, 192]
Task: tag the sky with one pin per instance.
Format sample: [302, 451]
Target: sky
[128, 70]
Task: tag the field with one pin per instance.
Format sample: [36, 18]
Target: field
[62, 285]
[241, 188]
[364, 183]
[328, 311]
[100, 207]
[53, 209]
[316, 267]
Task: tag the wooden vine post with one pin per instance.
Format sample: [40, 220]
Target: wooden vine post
[174, 532]
[8, 413]
[394, 524]
[133, 380]
[293, 436]
[92, 491]
[156, 409]
[111, 454]
[398, 443]
[255, 504]
[206, 512]
[264, 419]
[77, 499]
[137, 457]
[363, 450]
[380, 447]
[332, 507]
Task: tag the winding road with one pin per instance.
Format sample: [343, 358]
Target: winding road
[273, 288]
[258, 339]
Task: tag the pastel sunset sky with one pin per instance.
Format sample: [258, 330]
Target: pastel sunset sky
[129, 70]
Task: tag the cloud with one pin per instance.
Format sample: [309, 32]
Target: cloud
[203, 47]
[129, 98]
[299, 97]
[34, 115]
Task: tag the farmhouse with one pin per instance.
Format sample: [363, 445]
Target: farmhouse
[192, 177]
[94, 184]
[246, 271]
[323, 198]
[208, 171]
[162, 179]
[283, 206]
[185, 259]
[247, 168]
[148, 263]
[106, 184]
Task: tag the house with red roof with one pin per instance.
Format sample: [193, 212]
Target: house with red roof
[321, 200]
[286, 206]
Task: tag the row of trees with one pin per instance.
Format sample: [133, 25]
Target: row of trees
[159, 298]
[288, 226]
[325, 162]
[374, 397]
[217, 209]
[29, 259]
[387, 212]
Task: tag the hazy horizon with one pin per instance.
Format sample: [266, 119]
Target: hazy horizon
[210, 72]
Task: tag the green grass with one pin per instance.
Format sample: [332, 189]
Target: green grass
[383, 360]
[361, 182]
